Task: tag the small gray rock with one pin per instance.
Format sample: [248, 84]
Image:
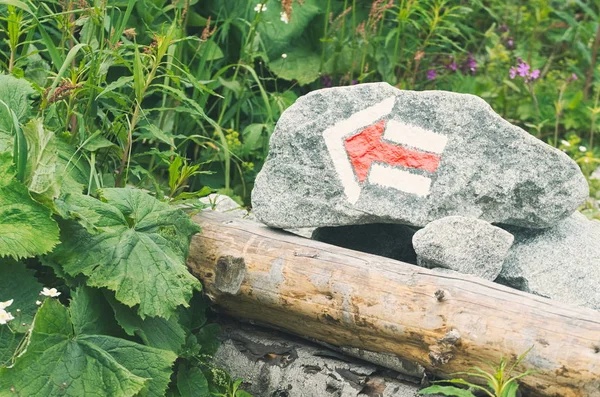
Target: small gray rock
[371, 153]
[466, 245]
[561, 263]
[391, 241]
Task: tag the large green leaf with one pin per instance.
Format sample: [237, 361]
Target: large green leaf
[73, 168]
[19, 284]
[26, 227]
[60, 361]
[157, 332]
[92, 314]
[41, 175]
[191, 382]
[132, 244]
[14, 93]
[279, 37]
[301, 64]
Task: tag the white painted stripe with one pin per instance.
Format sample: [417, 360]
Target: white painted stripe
[399, 179]
[415, 136]
[334, 139]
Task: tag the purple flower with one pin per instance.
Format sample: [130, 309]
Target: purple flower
[431, 74]
[572, 78]
[354, 82]
[471, 63]
[326, 81]
[503, 28]
[523, 69]
[453, 66]
[510, 44]
[512, 73]
[535, 74]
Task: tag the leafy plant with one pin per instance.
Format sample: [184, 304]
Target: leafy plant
[114, 112]
[500, 382]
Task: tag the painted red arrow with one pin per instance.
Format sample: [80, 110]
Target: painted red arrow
[368, 146]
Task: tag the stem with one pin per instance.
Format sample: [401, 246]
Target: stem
[132, 125]
[11, 61]
[590, 73]
[327, 12]
[537, 106]
[558, 113]
[594, 115]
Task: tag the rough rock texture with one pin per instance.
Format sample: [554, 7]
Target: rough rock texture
[371, 153]
[465, 245]
[391, 241]
[277, 365]
[561, 263]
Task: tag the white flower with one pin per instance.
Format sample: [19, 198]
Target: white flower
[284, 17]
[5, 317]
[4, 305]
[582, 149]
[52, 292]
[284, 56]
[260, 8]
[38, 302]
[565, 143]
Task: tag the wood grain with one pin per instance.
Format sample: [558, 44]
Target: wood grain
[444, 322]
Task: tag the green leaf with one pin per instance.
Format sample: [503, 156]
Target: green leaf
[91, 313]
[19, 284]
[252, 138]
[191, 382]
[26, 227]
[210, 51]
[510, 390]
[194, 317]
[301, 64]
[40, 174]
[207, 338]
[15, 94]
[18, 4]
[72, 167]
[132, 244]
[144, 361]
[152, 132]
[123, 81]
[242, 393]
[446, 391]
[279, 37]
[97, 142]
[59, 361]
[162, 333]
[37, 69]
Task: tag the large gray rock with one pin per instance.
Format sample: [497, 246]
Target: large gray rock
[371, 153]
[465, 245]
[391, 241]
[561, 263]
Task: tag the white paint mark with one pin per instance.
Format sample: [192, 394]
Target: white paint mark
[335, 136]
[415, 136]
[399, 179]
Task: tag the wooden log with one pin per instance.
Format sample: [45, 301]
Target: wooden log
[444, 322]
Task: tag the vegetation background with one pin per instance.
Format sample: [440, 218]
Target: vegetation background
[178, 98]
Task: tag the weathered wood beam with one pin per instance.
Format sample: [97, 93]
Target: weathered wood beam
[444, 322]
